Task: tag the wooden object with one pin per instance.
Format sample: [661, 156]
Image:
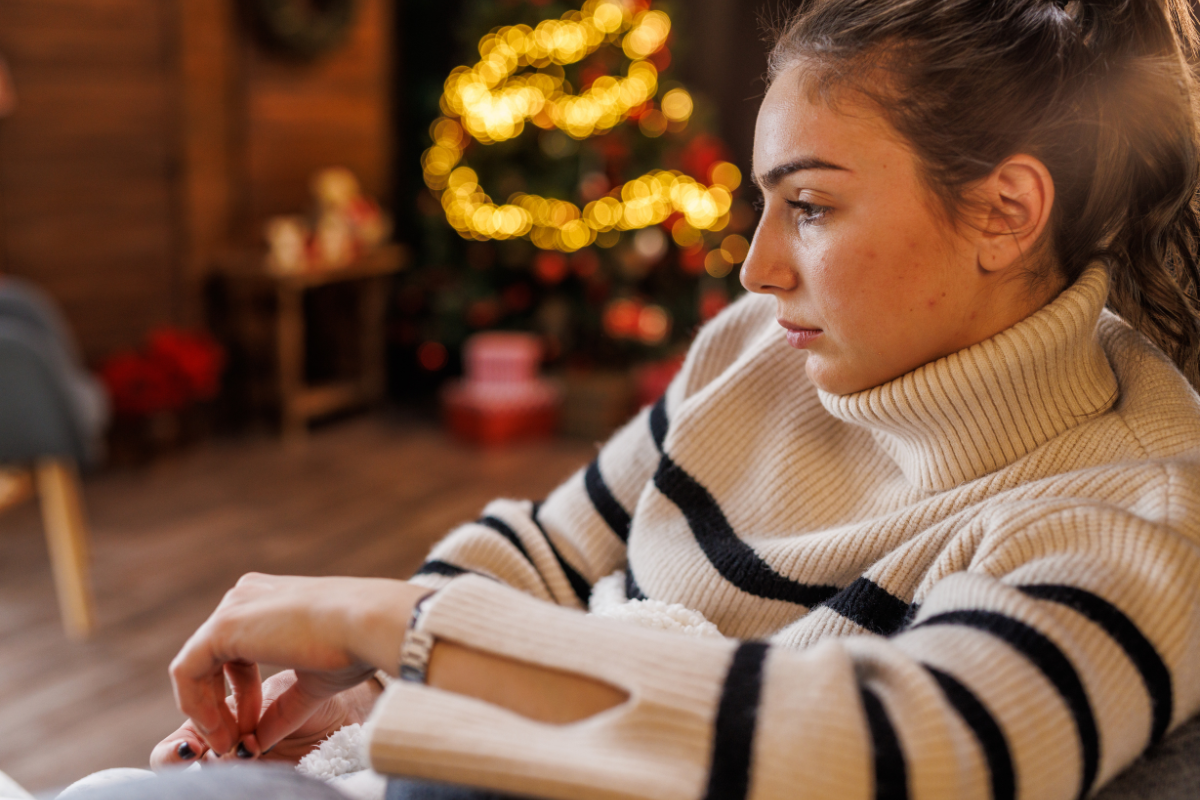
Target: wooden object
[15, 487]
[298, 401]
[66, 536]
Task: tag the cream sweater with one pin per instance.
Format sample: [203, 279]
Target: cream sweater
[981, 579]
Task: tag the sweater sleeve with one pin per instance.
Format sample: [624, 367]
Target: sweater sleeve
[1067, 646]
[558, 549]
[555, 550]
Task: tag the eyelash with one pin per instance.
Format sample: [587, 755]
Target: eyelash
[812, 213]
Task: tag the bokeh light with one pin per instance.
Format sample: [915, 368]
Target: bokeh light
[677, 105]
[493, 101]
[735, 248]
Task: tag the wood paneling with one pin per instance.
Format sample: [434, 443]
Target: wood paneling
[86, 161]
[365, 497]
[151, 133]
[333, 111]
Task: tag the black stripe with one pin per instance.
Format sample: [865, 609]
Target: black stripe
[891, 775]
[603, 501]
[632, 590]
[1057, 668]
[658, 422]
[734, 559]
[501, 527]
[737, 717]
[910, 616]
[871, 606]
[436, 567]
[1141, 652]
[582, 589]
[991, 738]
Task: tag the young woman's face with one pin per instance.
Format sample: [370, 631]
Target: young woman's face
[869, 275]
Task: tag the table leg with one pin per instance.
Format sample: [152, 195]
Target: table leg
[372, 307]
[290, 349]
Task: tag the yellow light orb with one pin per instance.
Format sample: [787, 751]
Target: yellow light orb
[677, 105]
[575, 235]
[653, 124]
[735, 248]
[716, 265]
[725, 174]
[684, 234]
[608, 17]
[722, 199]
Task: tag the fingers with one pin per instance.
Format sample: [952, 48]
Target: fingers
[199, 682]
[289, 711]
[246, 683]
[182, 747]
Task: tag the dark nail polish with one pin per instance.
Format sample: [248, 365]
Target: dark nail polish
[185, 751]
[242, 752]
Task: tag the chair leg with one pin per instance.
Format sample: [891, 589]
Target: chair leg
[15, 487]
[67, 537]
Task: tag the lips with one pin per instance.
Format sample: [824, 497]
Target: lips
[798, 336]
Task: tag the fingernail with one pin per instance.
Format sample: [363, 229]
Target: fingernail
[185, 751]
[242, 752]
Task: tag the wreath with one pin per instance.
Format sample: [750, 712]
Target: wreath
[304, 28]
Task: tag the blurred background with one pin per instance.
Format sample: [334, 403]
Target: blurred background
[297, 285]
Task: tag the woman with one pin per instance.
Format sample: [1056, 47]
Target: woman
[943, 504]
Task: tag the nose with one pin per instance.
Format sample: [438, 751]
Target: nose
[767, 268]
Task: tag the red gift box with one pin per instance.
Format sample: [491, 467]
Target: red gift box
[501, 400]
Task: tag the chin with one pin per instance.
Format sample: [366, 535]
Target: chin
[829, 378]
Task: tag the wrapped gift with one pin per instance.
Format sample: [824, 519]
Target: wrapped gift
[501, 399]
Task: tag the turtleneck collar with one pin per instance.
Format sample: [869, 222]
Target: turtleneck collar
[975, 411]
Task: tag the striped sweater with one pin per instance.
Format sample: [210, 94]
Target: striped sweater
[981, 579]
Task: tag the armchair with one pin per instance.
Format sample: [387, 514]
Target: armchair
[51, 415]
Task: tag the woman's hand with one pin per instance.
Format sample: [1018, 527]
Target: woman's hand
[333, 632]
[345, 708]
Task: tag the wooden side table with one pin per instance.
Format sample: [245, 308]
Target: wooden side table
[299, 401]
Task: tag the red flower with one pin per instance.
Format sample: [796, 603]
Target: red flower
[195, 357]
[177, 368]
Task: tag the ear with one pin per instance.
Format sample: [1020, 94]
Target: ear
[1016, 201]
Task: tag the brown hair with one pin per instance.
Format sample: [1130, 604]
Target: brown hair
[1101, 92]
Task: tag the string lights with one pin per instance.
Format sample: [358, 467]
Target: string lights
[493, 101]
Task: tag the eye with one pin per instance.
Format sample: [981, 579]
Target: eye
[810, 213]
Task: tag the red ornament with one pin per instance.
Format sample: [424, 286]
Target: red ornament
[621, 318]
[691, 259]
[701, 154]
[550, 267]
[585, 263]
[712, 302]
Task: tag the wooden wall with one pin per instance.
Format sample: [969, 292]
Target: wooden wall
[151, 133]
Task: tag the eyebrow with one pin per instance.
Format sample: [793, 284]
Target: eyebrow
[772, 178]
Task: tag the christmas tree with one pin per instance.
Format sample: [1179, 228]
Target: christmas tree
[574, 189]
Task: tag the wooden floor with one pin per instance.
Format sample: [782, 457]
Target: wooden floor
[364, 497]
